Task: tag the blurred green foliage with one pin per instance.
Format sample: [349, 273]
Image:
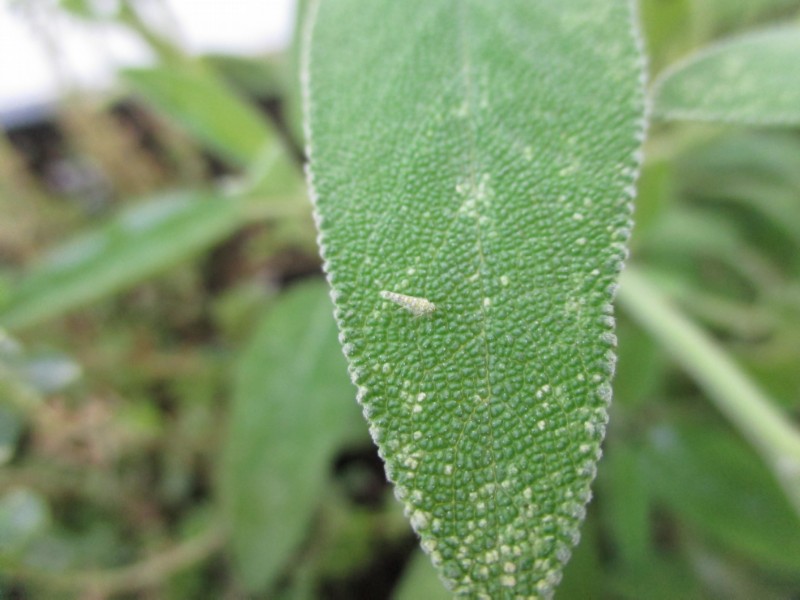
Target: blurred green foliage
[151, 434]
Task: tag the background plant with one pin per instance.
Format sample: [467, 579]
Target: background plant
[141, 304]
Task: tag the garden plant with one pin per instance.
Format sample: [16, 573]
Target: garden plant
[485, 298]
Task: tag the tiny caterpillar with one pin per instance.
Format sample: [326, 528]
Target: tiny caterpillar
[413, 304]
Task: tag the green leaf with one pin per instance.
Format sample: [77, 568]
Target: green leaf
[479, 157]
[206, 107]
[80, 8]
[256, 76]
[742, 402]
[137, 244]
[293, 405]
[626, 504]
[640, 368]
[665, 30]
[665, 577]
[759, 170]
[715, 482]
[420, 581]
[584, 577]
[752, 79]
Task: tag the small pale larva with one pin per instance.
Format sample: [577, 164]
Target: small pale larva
[416, 306]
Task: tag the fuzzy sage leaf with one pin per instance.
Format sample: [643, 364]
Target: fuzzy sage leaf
[479, 157]
[752, 79]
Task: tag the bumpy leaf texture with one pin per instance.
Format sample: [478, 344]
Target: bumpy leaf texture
[478, 157]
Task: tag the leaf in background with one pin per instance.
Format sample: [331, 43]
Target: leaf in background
[420, 581]
[688, 237]
[665, 32]
[293, 405]
[139, 243]
[736, 396]
[584, 576]
[752, 79]
[480, 155]
[79, 8]
[206, 107]
[708, 477]
[640, 369]
[759, 154]
[257, 77]
[666, 577]
[626, 507]
[757, 169]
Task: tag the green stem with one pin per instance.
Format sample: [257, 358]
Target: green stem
[751, 410]
[169, 52]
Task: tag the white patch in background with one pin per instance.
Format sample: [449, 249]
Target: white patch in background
[90, 54]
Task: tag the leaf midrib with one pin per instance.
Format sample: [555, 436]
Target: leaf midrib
[471, 166]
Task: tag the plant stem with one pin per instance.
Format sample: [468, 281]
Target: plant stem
[749, 409]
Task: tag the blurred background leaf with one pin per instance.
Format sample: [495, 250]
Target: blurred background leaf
[293, 406]
[753, 79]
[207, 108]
[420, 581]
[704, 474]
[145, 240]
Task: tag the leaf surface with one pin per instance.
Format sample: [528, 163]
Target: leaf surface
[752, 79]
[479, 156]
